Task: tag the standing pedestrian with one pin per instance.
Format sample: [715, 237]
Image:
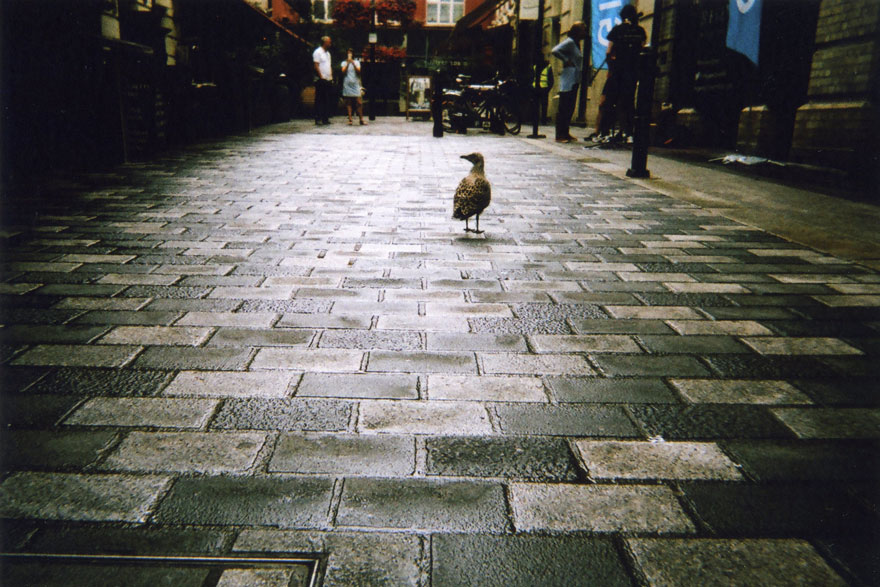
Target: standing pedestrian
[545, 84]
[625, 42]
[351, 87]
[324, 95]
[569, 52]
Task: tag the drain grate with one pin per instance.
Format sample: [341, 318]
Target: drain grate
[74, 570]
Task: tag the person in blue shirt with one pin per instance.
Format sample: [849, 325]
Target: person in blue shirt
[569, 52]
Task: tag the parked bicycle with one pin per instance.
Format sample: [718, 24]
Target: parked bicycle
[492, 105]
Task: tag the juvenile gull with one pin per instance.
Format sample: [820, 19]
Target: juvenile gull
[473, 193]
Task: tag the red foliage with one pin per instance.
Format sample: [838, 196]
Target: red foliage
[352, 14]
[384, 53]
[398, 11]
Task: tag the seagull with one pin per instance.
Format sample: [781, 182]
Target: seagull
[473, 193]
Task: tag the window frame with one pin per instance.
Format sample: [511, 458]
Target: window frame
[438, 6]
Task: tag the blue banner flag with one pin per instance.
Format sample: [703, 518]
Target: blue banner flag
[744, 28]
[604, 15]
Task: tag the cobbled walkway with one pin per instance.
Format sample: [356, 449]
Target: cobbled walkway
[282, 343]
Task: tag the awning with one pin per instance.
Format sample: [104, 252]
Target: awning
[275, 23]
[478, 15]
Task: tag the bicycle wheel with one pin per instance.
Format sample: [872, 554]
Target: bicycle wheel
[509, 118]
[447, 114]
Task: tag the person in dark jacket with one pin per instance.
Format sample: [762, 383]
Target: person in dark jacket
[625, 42]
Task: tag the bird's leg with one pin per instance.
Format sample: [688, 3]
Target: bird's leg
[466, 227]
[478, 231]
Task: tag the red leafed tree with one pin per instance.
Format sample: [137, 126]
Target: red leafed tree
[401, 12]
[382, 53]
[352, 14]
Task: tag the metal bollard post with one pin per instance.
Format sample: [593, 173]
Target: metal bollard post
[642, 122]
[437, 105]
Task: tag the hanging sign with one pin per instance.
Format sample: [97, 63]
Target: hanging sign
[605, 14]
[528, 10]
[744, 28]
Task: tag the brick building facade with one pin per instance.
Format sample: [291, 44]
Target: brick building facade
[813, 99]
[840, 122]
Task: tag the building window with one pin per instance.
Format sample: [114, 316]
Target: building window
[444, 11]
[322, 10]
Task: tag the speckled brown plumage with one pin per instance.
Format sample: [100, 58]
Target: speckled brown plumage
[473, 194]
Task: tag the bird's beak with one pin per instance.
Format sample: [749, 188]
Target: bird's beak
[468, 158]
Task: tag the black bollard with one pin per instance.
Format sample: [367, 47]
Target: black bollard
[642, 122]
[437, 105]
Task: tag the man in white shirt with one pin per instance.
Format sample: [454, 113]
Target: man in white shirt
[324, 83]
[569, 52]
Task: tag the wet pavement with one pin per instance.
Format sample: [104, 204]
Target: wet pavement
[281, 348]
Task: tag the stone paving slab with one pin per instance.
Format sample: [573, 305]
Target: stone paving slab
[594, 390]
[697, 422]
[43, 450]
[87, 381]
[130, 318]
[500, 389]
[348, 454]
[442, 341]
[365, 386]
[353, 558]
[520, 561]
[597, 508]
[326, 360]
[831, 422]
[526, 364]
[256, 501]
[448, 418]
[35, 412]
[695, 562]
[771, 460]
[523, 458]
[283, 414]
[68, 496]
[232, 384]
[78, 356]
[156, 335]
[611, 460]
[228, 319]
[94, 538]
[423, 504]
[607, 385]
[741, 391]
[779, 509]
[565, 420]
[186, 452]
[154, 412]
[52, 334]
[196, 358]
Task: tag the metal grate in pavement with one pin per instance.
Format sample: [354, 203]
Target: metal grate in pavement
[74, 570]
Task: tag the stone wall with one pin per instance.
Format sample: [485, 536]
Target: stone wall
[838, 126]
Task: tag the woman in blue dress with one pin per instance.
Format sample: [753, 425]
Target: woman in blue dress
[351, 87]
